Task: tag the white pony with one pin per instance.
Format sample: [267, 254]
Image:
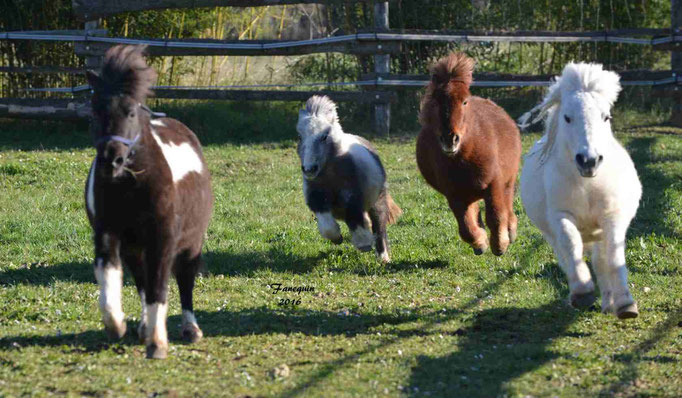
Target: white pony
[580, 187]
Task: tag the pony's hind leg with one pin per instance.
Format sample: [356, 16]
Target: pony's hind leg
[469, 229]
[497, 218]
[379, 217]
[186, 269]
[600, 266]
[109, 275]
[135, 263]
[358, 222]
[568, 246]
[512, 220]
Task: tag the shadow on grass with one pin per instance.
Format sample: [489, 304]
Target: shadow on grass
[654, 207]
[626, 385]
[79, 272]
[500, 345]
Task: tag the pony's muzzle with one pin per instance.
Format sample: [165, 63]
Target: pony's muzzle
[114, 157]
[310, 172]
[449, 143]
[588, 164]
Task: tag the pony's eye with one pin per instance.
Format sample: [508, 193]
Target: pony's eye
[465, 102]
[131, 115]
[567, 119]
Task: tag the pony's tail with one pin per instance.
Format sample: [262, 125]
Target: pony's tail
[394, 212]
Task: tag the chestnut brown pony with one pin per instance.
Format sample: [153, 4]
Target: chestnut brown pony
[469, 149]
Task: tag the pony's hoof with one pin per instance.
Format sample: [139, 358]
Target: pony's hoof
[499, 251]
[365, 248]
[385, 258]
[584, 300]
[478, 251]
[337, 241]
[512, 235]
[191, 333]
[115, 332]
[156, 352]
[627, 311]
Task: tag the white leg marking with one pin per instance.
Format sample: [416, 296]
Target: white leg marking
[143, 316]
[601, 269]
[182, 159]
[110, 279]
[328, 227]
[385, 258]
[90, 195]
[188, 318]
[618, 273]
[156, 325]
[362, 238]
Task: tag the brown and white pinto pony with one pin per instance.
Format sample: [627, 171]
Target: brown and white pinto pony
[469, 149]
[343, 178]
[148, 198]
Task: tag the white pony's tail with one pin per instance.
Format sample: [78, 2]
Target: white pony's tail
[322, 107]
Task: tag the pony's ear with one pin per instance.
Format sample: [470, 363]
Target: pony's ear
[94, 80]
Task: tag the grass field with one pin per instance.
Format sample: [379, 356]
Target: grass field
[437, 321]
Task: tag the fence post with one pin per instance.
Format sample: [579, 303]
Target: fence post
[382, 67]
[93, 62]
[676, 60]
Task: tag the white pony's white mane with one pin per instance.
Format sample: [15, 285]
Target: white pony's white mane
[580, 77]
[318, 115]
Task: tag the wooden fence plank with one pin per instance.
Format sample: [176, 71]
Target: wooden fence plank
[272, 95]
[91, 9]
[48, 109]
[348, 47]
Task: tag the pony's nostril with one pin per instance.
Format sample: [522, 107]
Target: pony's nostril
[580, 159]
[118, 161]
[601, 158]
[456, 138]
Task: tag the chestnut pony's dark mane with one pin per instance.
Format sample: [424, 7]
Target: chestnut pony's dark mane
[125, 72]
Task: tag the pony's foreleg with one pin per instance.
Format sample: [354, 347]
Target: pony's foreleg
[379, 216]
[469, 229]
[614, 240]
[317, 202]
[109, 275]
[159, 261]
[601, 270]
[135, 263]
[497, 218]
[568, 246]
[187, 266]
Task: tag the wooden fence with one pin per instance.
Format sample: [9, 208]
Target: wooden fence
[379, 41]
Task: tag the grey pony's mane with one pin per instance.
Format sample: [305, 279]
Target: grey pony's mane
[585, 77]
[322, 107]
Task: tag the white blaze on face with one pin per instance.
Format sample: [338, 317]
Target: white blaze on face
[156, 325]
[90, 190]
[182, 159]
[110, 280]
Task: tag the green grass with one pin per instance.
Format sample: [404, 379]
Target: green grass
[437, 321]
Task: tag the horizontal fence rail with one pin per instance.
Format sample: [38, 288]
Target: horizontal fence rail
[93, 44]
[92, 9]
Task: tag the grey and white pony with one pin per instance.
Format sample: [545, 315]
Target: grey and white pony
[580, 187]
[343, 178]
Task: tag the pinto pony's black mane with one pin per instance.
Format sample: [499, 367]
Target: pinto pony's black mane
[125, 72]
